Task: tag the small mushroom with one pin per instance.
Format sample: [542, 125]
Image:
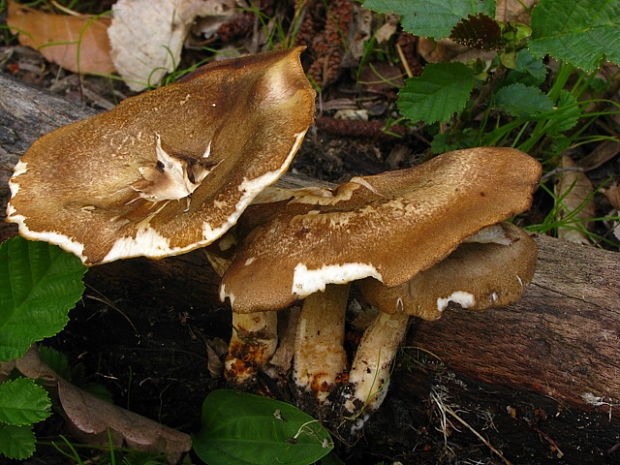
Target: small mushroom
[169, 170]
[489, 269]
[390, 227]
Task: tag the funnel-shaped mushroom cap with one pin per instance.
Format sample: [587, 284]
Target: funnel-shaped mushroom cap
[476, 276]
[389, 226]
[169, 170]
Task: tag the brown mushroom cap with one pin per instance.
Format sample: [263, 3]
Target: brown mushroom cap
[389, 226]
[169, 170]
[476, 276]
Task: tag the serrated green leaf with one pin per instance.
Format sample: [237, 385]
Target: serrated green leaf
[246, 429]
[39, 284]
[583, 34]
[520, 100]
[54, 359]
[529, 70]
[432, 18]
[23, 402]
[566, 115]
[442, 90]
[16, 442]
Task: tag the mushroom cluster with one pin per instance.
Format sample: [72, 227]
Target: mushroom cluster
[413, 241]
[174, 169]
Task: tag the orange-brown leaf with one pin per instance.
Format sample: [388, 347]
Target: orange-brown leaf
[77, 43]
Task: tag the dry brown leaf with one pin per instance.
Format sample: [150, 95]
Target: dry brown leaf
[613, 195]
[93, 417]
[514, 10]
[38, 29]
[147, 35]
[603, 152]
[215, 365]
[575, 189]
[5, 369]
[360, 32]
[387, 29]
[445, 50]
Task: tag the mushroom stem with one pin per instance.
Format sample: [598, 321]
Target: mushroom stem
[253, 342]
[319, 351]
[280, 364]
[370, 371]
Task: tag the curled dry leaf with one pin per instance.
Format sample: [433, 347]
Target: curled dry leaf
[77, 43]
[603, 152]
[93, 417]
[147, 35]
[575, 190]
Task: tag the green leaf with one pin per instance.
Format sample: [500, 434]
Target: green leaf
[442, 90]
[432, 18]
[520, 100]
[529, 70]
[566, 115]
[39, 284]
[16, 442]
[583, 33]
[23, 402]
[245, 429]
[55, 359]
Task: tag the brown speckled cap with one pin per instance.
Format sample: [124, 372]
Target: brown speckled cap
[475, 276]
[389, 226]
[169, 170]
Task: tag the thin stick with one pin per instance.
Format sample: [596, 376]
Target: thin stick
[404, 61]
[444, 408]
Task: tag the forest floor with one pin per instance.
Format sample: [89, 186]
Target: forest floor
[149, 349]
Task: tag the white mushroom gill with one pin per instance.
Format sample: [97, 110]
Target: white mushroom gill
[491, 234]
[173, 177]
[306, 281]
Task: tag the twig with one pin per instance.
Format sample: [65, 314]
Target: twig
[445, 409]
[104, 300]
[403, 60]
[561, 170]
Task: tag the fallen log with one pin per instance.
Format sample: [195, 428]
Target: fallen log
[561, 340]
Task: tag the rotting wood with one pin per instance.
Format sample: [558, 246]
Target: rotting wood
[562, 339]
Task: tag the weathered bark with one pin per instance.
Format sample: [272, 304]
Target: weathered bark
[562, 339]
[26, 113]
